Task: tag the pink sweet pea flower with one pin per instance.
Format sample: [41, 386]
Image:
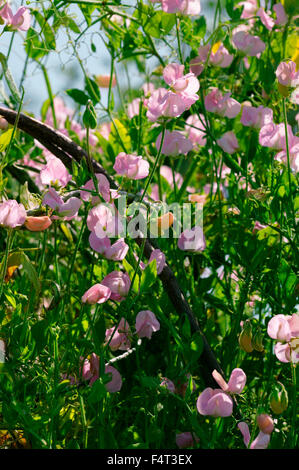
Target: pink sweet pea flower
[261, 441]
[159, 256]
[192, 240]
[285, 329]
[267, 21]
[248, 44]
[104, 221]
[20, 21]
[195, 130]
[185, 440]
[131, 166]
[273, 136]
[115, 384]
[281, 16]
[220, 104]
[119, 284]
[167, 383]
[249, 8]
[97, 294]
[256, 117]
[236, 383]
[103, 189]
[115, 252]
[173, 102]
[286, 74]
[228, 142]
[90, 371]
[55, 172]
[104, 81]
[214, 403]
[174, 143]
[133, 108]
[119, 338]
[68, 209]
[187, 7]
[146, 324]
[220, 56]
[12, 214]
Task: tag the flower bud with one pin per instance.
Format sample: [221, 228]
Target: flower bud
[245, 338]
[265, 423]
[279, 399]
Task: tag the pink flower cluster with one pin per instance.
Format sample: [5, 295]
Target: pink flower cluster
[68, 209]
[216, 55]
[273, 136]
[247, 43]
[114, 286]
[256, 117]
[174, 143]
[192, 240]
[173, 102]
[218, 402]
[285, 329]
[287, 75]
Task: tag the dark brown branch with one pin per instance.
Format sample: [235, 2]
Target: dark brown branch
[63, 147]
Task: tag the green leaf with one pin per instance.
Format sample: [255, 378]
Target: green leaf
[30, 271]
[78, 95]
[5, 139]
[148, 276]
[93, 90]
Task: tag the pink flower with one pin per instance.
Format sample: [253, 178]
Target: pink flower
[119, 284]
[293, 153]
[133, 108]
[174, 143]
[97, 294]
[90, 371]
[218, 402]
[248, 44]
[192, 240]
[12, 214]
[267, 21]
[187, 7]
[258, 226]
[261, 441]
[115, 384]
[132, 166]
[146, 324]
[115, 252]
[3, 123]
[167, 383]
[159, 256]
[103, 189]
[195, 130]
[228, 142]
[256, 117]
[173, 102]
[220, 56]
[68, 209]
[249, 8]
[273, 136]
[220, 104]
[185, 440]
[104, 221]
[286, 74]
[285, 329]
[38, 224]
[55, 172]
[214, 403]
[20, 21]
[281, 15]
[119, 338]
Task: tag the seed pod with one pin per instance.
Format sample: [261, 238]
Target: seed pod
[279, 399]
[245, 338]
[257, 341]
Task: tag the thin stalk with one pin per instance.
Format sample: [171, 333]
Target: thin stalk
[5, 260]
[178, 38]
[49, 89]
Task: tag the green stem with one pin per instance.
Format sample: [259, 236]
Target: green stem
[178, 38]
[5, 260]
